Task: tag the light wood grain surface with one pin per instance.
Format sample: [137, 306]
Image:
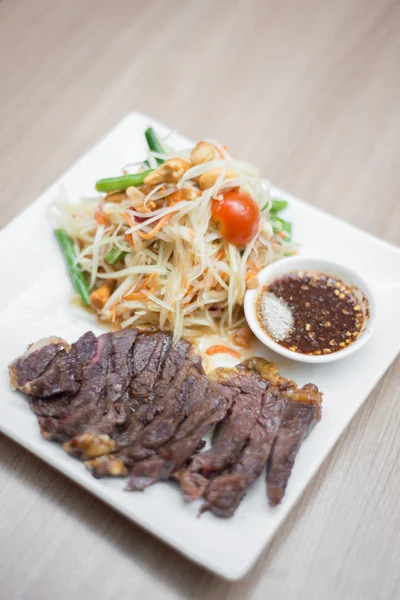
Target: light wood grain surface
[310, 91]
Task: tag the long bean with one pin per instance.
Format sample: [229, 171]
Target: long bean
[75, 271]
[276, 206]
[154, 143]
[279, 224]
[114, 184]
[114, 255]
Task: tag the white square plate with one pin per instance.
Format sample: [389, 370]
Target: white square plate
[36, 303]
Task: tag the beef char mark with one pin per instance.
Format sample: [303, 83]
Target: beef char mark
[207, 409]
[301, 410]
[118, 408]
[225, 492]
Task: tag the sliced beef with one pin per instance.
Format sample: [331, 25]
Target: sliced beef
[164, 426]
[89, 403]
[226, 491]
[207, 409]
[121, 369]
[46, 407]
[230, 435]
[64, 374]
[149, 386]
[185, 389]
[116, 411]
[233, 432]
[148, 353]
[301, 410]
[164, 421]
[205, 414]
[136, 402]
[34, 362]
[163, 418]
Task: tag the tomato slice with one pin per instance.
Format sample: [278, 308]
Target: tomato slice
[237, 215]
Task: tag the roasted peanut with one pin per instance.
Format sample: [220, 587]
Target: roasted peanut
[135, 195]
[209, 178]
[202, 153]
[99, 297]
[116, 196]
[181, 196]
[146, 208]
[169, 172]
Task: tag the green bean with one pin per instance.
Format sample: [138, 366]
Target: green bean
[115, 184]
[279, 224]
[75, 271]
[154, 143]
[276, 206]
[114, 255]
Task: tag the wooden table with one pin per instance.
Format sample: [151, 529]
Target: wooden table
[310, 91]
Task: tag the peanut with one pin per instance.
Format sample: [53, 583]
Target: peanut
[115, 196]
[169, 172]
[99, 297]
[202, 153]
[209, 178]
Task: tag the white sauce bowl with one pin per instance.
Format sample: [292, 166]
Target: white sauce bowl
[313, 265]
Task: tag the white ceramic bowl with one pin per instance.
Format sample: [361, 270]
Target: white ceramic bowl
[297, 263]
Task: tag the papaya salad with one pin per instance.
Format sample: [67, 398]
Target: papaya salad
[174, 242]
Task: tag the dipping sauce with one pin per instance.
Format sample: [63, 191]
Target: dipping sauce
[310, 313]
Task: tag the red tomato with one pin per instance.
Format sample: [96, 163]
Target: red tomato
[237, 215]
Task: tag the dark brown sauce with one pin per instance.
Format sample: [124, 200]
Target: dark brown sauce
[327, 315]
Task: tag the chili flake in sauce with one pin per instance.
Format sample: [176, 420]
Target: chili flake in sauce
[326, 315]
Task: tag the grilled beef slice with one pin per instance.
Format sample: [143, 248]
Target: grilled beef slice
[87, 406]
[117, 408]
[206, 409]
[167, 412]
[147, 354]
[131, 401]
[226, 491]
[154, 383]
[177, 404]
[119, 378]
[53, 390]
[34, 362]
[230, 435]
[301, 410]
[165, 425]
[234, 431]
[149, 386]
